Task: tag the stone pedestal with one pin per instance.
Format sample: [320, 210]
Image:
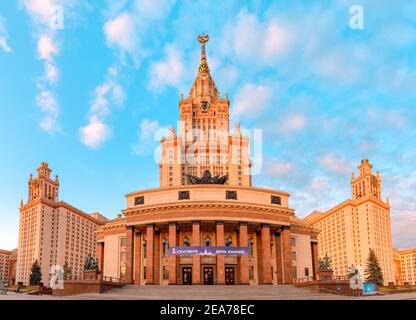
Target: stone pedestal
[324, 275]
[91, 275]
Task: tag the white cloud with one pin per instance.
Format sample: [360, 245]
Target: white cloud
[41, 12]
[150, 131]
[95, 133]
[39, 8]
[264, 41]
[154, 9]
[51, 72]
[168, 72]
[3, 36]
[335, 164]
[280, 168]
[293, 122]
[251, 98]
[46, 47]
[4, 45]
[121, 32]
[105, 95]
[275, 40]
[50, 111]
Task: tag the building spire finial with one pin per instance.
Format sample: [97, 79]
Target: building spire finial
[203, 65]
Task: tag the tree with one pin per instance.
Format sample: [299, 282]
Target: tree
[373, 271]
[35, 274]
[67, 270]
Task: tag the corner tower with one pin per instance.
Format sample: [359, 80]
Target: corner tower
[204, 142]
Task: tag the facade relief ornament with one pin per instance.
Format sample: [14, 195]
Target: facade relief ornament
[207, 179]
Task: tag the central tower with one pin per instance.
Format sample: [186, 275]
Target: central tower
[204, 142]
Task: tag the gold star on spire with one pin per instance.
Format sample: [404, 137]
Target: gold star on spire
[203, 65]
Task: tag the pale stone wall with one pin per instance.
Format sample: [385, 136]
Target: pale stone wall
[112, 255]
[4, 264]
[215, 193]
[408, 265]
[303, 255]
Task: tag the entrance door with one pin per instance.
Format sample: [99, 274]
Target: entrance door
[229, 275]
[187, 275]
[208, 275]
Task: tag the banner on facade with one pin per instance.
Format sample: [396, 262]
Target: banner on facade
[211, 250]
[369, 289]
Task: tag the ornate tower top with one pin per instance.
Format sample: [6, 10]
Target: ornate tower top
[203, 65]
[365, 167]
[42, 186]
[366, 184]
[43, 170]
[204, 88]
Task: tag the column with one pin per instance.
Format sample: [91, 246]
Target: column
[259, 260]
[243, 241]
[100, 256]
[129, 253]
[196, 259]
[149, 253]
[265, 243]
[314, 248]
[172, 258]
[156, 257]
[220, 258]
[287, 255]
[137, 258]
[279, 262]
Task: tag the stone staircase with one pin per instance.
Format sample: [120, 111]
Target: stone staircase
[199, 292]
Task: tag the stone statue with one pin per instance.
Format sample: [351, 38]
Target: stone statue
[90, 264]
[325, 264]
[207, 179]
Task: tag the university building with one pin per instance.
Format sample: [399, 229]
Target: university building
[206, 223]
[351, 228]
[4, 264]
[52, 231]
[406, 266]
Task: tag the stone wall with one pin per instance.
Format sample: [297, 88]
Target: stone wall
[73, 287]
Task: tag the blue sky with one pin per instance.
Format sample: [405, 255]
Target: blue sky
[88, 98]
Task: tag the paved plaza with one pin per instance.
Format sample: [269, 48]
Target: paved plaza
[208, 293]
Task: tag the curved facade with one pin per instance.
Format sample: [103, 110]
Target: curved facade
[213, 220]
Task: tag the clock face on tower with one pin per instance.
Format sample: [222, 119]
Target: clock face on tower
[204, 106]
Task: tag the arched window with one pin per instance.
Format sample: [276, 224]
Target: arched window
[229, 241]
[208, 241]
[144, 249]
[186, 242]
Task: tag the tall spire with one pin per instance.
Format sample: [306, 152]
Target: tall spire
[203, 88]
[203, 65]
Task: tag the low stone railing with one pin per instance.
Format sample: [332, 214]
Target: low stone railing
[339, 285]
[90, 283]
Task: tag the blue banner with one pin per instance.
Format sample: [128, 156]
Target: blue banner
[203, 250]
[369, 289]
